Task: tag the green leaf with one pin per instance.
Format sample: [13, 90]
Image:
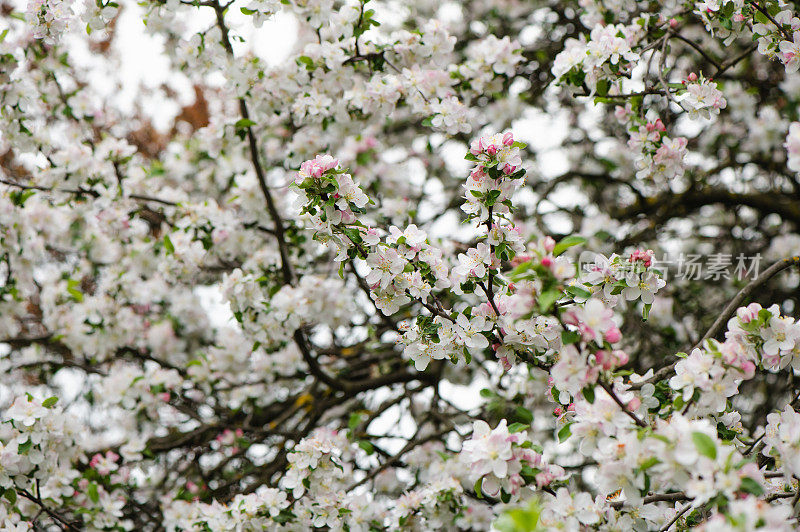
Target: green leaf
[19, 197]
[519, 519]
[491, 197]
[478, 488]
[727, 9]
[367, 446]
[650, 462]
[547, 298]
[578, 291]
[523, 414]
[570, 337]
[705, 445]
[92, 493]
[50, 402]
[355, 419]
[565, 432]
[566, 243]
[522, 268]
[353, 234]
[588, 393]
[11, 495]
[244, 123]
[517, 427]
[168, 245]
[23, 448]
[72, 290]
[749, 485]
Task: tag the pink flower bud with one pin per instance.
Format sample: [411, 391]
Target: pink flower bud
[692, 77]
[748, 313]
[749, 369]
[508, 139]
[634, 403]
[544, 478]
[738, 17]
[549, 244]
[645, 257]
[621, 356]
[519, 259]
[491, 150]
[613, 335]
[547, 261]
[604, 360]
[673, 23]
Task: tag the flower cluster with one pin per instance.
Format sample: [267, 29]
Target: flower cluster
[49, 19]
[772, 37]
[496, 176]
[702, 97]
[486, 58]
[782, 440]
[317, 455]
[765, 336]
[432, 339]
[429, 507]
[607, 55]
[756, 338]
[750, 513]
[330, 197]
[502, 460]
[634, 278]
[226, 378]
[773, 27]
[38, 445]
[660, 157]
[707, 372]
[404, 267]
[244, 512]
[316, 300]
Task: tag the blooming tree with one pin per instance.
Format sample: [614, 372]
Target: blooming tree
[486, 263]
